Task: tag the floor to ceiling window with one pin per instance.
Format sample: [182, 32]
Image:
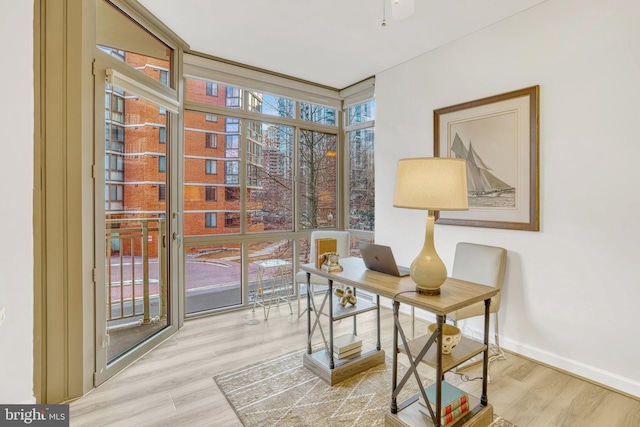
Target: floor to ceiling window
[262, 170]
[360, 140]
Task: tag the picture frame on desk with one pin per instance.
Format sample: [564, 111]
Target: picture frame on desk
[498, 136]
[323, 246]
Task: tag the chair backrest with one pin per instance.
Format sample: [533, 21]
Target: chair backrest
[342, 238]
[481, 264]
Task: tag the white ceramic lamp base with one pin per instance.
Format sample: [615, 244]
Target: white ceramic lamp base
[428, 270]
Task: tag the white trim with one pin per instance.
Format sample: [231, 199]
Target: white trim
[192, 156]
[120, 80]
[359, 92]
[591, 373]
[209, 69]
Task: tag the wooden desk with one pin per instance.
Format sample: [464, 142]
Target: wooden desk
[322, 362]
[454, 294]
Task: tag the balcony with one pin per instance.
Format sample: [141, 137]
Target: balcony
[135, 282]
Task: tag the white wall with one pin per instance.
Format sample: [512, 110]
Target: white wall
[572, 290]
[16, 194]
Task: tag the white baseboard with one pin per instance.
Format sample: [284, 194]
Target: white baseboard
[588, 372]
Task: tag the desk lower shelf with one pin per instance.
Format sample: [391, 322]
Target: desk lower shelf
[411, 416]
[465, 350]
[318, 363]
[340, 312]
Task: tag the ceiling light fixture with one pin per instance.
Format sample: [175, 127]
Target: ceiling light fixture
[400, 9]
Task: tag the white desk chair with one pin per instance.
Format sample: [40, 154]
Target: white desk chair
[484, 265]
[344, 244]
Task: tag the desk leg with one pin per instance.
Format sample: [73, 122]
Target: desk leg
[355, 329]
[308, 313]
[485, 361]
[331, 362]
[378, 345]
[394, 366]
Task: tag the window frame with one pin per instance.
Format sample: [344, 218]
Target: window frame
[208, 168]
[238, 157]
[208, 216]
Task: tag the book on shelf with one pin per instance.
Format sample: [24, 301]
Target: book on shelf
[349, 354]
[452, 398]
[323, 246]
[346, 342]
[451, 417]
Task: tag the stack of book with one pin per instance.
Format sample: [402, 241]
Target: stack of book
[455, 403]
[347, 346]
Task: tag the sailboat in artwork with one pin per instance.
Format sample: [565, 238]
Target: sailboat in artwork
[480, 181]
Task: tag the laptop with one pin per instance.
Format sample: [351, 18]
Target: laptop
[380, 258]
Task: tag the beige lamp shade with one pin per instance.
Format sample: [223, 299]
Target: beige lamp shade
[431, 183]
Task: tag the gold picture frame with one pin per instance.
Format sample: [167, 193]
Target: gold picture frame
[499, 138]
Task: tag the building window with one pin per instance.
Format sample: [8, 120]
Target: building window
[164, 77]
[361, 113]
[117, 108]
[211, 194]
[211, 140]
[211, 167]
[114, 135]
[360, 136]
[162, 135]
[232, 194]
[232, 173]
[233, 97]
[162, 192]
[114, 167]
[115, 192]
[162, 111]
[232, 125]
[162, 163]
[210, 220]
[231, 219]
[317, 114]
[231, 145]
[212, 89]
[211, 118]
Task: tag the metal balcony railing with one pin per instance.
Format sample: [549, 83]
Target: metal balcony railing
[136, 293]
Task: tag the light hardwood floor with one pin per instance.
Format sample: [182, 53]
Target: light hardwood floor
[173, 384]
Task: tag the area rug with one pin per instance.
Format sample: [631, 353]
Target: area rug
[282, 392]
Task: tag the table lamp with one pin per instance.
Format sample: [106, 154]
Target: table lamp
[433, 184]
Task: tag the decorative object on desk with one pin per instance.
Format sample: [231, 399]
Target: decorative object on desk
[324, 245]
[432, 184]
[346, 296]
[282, 391]
[455, 402]
[502, 163]
[451, 336]
[330, 262]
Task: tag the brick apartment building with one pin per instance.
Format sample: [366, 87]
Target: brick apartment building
[136, 162]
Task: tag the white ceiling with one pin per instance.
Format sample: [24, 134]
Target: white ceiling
[331, 42]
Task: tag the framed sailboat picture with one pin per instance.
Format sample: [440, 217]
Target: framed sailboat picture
[498, 137]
